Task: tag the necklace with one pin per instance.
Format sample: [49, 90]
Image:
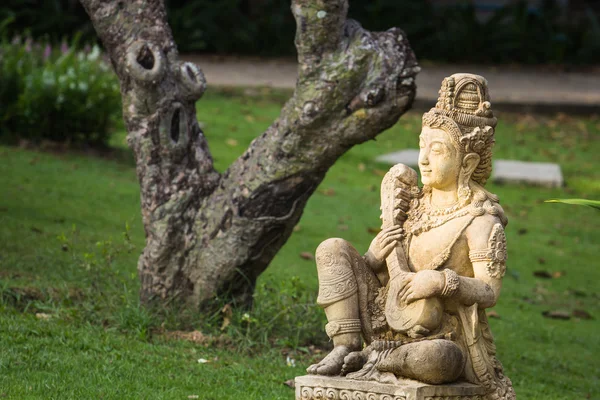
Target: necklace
[424, 217]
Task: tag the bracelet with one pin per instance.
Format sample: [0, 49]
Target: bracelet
[452, 283]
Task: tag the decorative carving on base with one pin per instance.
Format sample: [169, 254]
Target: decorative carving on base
[314, 387]
[318, 393]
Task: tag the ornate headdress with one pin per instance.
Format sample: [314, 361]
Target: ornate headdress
[464, 111]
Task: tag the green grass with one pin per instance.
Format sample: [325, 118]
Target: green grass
[71, 327]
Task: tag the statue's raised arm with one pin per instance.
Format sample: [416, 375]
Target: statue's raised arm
[414, 305]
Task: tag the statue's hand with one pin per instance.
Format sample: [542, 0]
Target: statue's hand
[422, 285]
[384, 243]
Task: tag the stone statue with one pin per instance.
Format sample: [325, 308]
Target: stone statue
[413, 307]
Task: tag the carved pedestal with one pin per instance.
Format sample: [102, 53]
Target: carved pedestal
[313, 387]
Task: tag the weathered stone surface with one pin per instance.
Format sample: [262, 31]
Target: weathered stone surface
[413, 306]
[506, 171]
[313, 387]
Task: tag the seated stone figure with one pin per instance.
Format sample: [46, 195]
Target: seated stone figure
[414, 305]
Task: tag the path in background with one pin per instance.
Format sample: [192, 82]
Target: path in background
[520, 87]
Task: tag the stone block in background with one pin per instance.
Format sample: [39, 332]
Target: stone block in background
[505, 171]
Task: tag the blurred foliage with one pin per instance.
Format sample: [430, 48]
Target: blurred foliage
[57, 94]
[516, 33]
[578, 202]
[513, 34]
[51, 19]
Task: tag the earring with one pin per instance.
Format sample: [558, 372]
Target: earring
[464, 189]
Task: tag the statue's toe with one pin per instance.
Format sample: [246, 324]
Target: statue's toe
[329, 369]
[331, 364]
[353, 362]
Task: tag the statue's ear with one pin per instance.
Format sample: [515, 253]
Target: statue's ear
[469, 163]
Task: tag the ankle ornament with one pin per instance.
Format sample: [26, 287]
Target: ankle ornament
[342, 326]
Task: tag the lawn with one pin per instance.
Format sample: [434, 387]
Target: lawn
[70, 235]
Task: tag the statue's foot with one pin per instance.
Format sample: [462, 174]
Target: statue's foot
[332, 363]
[353, 362]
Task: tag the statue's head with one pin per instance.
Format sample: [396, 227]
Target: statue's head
[458, 135]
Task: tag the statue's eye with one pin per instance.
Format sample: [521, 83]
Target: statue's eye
[437, 148]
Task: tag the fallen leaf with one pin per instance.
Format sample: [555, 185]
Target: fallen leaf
[558, 274]
[528, 300]
[362, 167]
[328, 192]
[203, 361]
[542, 260]
[227, 312]
[193, 396]
[542, 274]
[577, 293]
[194, 336]
[290, 383]
[297, 228]
[582, 314]
[343, 227]
[557, 315]
[231, 142]
[43, 316]
[306, 255]
[36, 230]
[374, 231]
[379, 172]
[522, 231]
[250, 118]
[493, 314]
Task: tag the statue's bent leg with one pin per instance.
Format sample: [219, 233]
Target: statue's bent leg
[338, 295]
[431, 361]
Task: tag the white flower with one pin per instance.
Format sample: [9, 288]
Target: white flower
[93, 56]
[290, 362]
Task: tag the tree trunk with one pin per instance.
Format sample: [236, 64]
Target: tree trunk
[210, 234]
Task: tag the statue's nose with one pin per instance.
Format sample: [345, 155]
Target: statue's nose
[423, 159]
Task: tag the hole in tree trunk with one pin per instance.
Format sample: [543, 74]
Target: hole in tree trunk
[145, 57]
[190, 73]
[175, 125]
[121, 5]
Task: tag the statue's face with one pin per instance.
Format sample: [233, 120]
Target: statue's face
[439, 159]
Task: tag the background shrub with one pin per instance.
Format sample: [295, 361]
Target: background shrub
[516, 33]
[63, 95]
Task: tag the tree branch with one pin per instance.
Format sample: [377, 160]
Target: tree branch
[347, 92]
[207, 234]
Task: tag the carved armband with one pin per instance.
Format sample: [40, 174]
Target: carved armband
[342, 326]
[495, 255]
[452, 283]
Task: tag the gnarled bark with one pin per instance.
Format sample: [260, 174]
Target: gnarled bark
[209, 234]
